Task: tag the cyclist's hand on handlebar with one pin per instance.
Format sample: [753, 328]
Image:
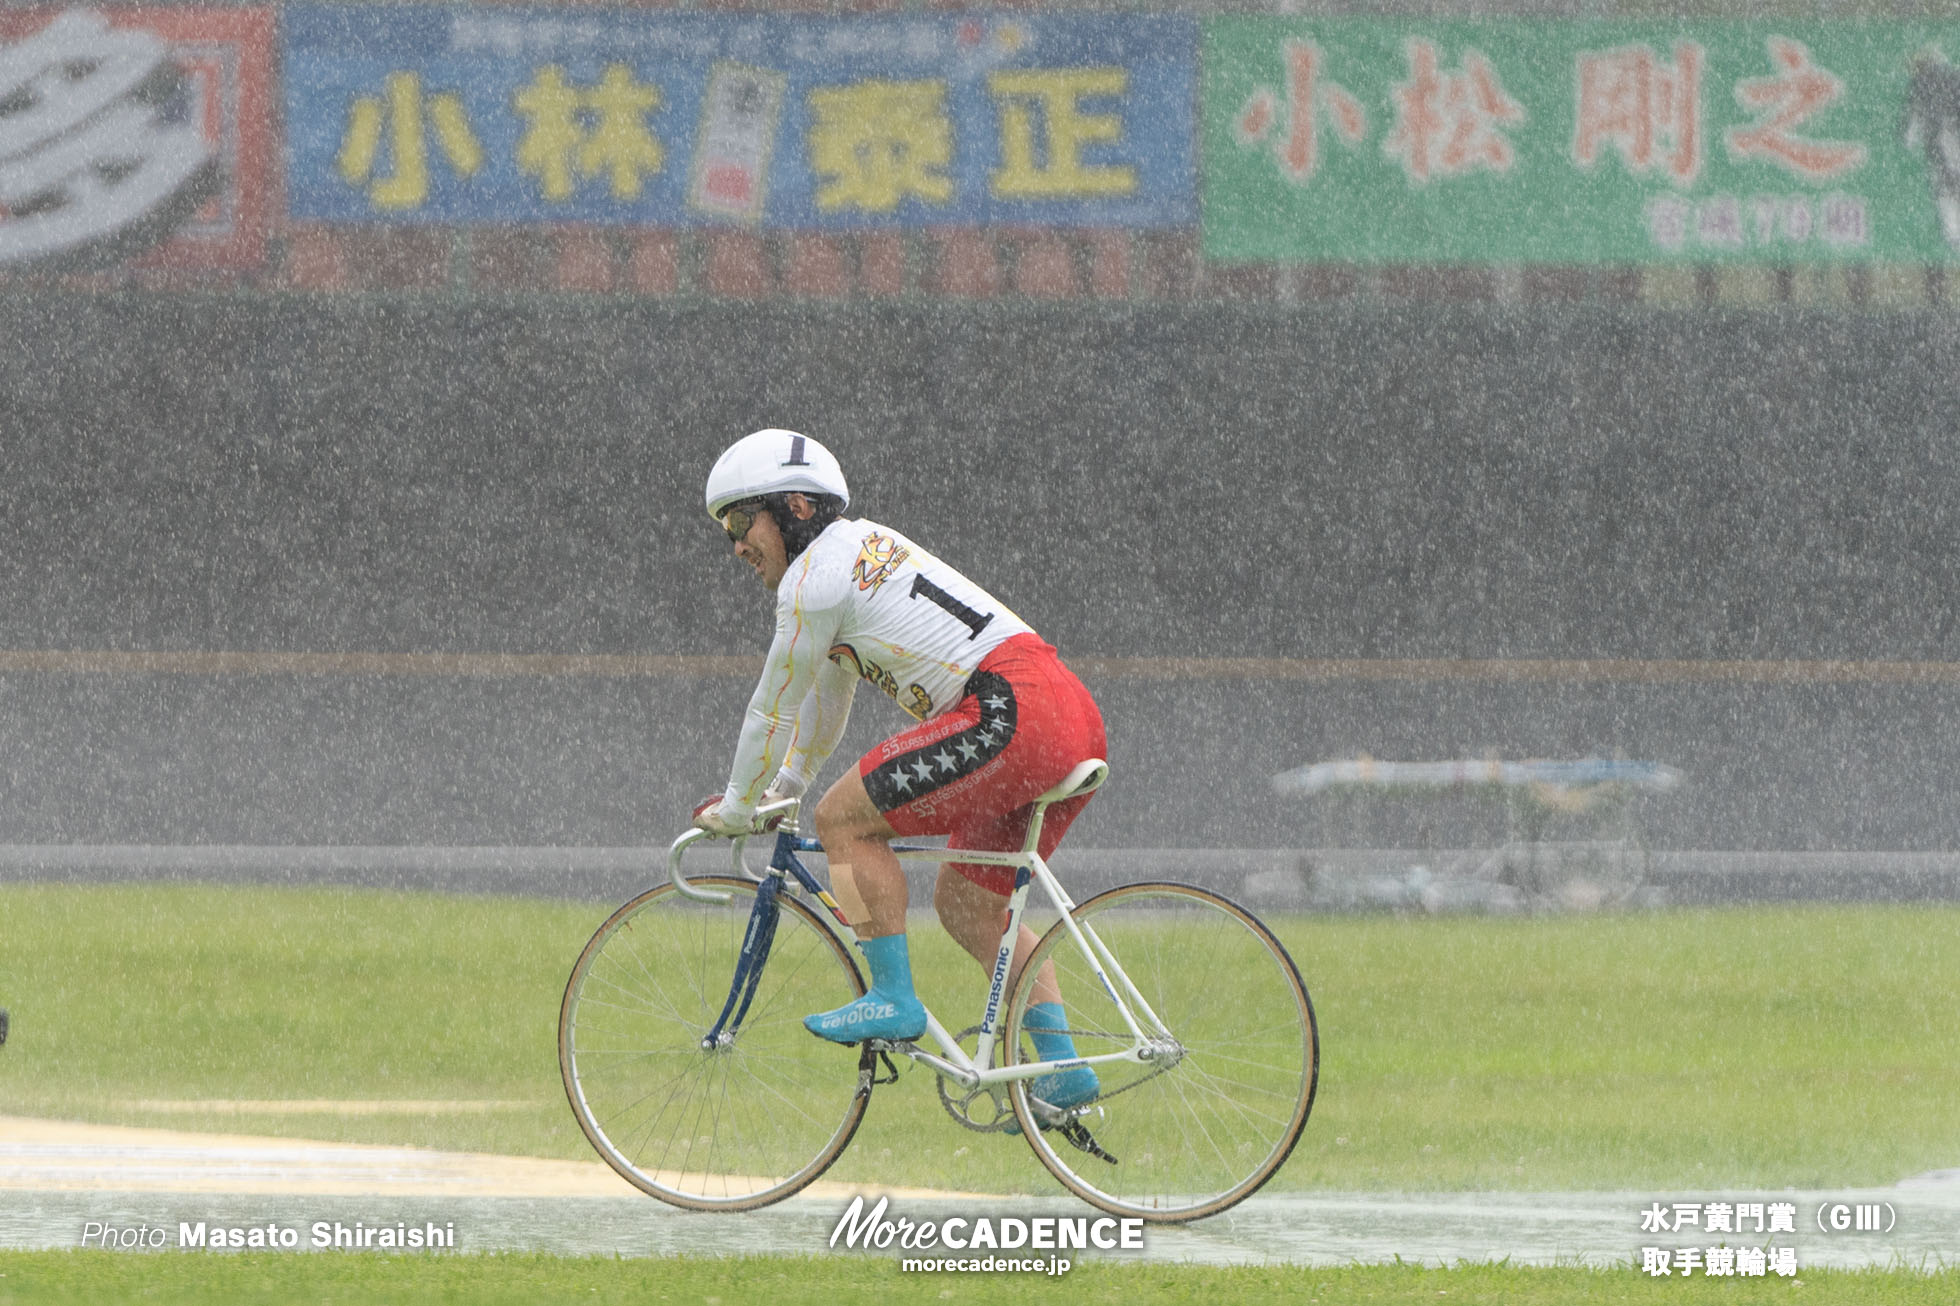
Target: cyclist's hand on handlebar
[708, 816]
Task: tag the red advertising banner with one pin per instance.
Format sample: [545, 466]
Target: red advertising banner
[136, 135]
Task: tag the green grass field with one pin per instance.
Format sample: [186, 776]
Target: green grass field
[1752, 1047]
[195, 1279]
[1738, 1049]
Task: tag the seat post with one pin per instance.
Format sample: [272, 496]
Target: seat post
[1084, 778]
[1033, 840]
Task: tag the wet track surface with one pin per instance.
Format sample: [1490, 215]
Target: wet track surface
[56, 1182]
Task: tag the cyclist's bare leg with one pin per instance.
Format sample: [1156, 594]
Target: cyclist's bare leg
[870, 885]
[871, 889]
[864, 871]
[975, 917]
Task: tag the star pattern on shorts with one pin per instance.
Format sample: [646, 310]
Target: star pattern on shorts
[916, 775]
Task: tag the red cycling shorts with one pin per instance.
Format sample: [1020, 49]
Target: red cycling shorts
[974, 771]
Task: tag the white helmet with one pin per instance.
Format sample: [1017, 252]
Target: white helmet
[773, 462]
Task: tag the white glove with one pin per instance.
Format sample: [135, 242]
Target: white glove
[708, 816]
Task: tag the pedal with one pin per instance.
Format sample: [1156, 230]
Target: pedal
[868, 1076]
[1082, 1140]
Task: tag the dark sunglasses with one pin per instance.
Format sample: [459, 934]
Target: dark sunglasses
[738, 519]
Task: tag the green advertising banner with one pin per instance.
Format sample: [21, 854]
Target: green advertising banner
[1420, 140]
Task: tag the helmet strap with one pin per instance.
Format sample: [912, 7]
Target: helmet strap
[798, 532]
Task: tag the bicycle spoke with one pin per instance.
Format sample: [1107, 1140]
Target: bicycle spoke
[1199, 1133]
[728, 1127]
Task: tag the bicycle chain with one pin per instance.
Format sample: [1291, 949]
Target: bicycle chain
[868, 1078]
[1008, 1118]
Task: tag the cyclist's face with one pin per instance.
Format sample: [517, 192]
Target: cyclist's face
[761, 545]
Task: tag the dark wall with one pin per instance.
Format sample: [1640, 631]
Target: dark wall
[1331, 481]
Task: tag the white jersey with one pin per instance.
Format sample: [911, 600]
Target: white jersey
[861, 602]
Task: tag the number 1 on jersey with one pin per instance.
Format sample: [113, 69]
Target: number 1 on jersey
[973, 621]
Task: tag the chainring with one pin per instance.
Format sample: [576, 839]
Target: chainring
[961, 1103]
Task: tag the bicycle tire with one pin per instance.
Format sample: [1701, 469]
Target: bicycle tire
[728, 1129]
[1202, 1133]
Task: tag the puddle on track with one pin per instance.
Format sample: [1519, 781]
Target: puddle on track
[56, 1180]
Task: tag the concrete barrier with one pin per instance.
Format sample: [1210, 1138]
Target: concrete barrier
[1266, 879]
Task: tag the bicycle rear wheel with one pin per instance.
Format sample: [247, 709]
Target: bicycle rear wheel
[1236, 1056]
[734, 1127]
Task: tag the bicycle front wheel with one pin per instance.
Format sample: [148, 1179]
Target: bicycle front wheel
[728, 1128]
[1232, 1055]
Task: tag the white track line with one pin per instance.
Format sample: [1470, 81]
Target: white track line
[58, 1156]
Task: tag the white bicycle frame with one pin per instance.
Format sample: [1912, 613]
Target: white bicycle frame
[1151, 1041]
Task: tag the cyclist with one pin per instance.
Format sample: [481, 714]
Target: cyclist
[1001, 720]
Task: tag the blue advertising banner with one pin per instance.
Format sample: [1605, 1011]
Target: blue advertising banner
[455, 115]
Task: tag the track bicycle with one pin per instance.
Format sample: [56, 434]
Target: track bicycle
[684, 1056]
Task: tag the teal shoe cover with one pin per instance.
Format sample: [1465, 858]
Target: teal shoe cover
[1067, 1088]
[875, 1015]
[890, 1010]
[1046, 1025]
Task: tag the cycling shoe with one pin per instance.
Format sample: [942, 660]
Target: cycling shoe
[872, 1016]
[1063, 1089]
